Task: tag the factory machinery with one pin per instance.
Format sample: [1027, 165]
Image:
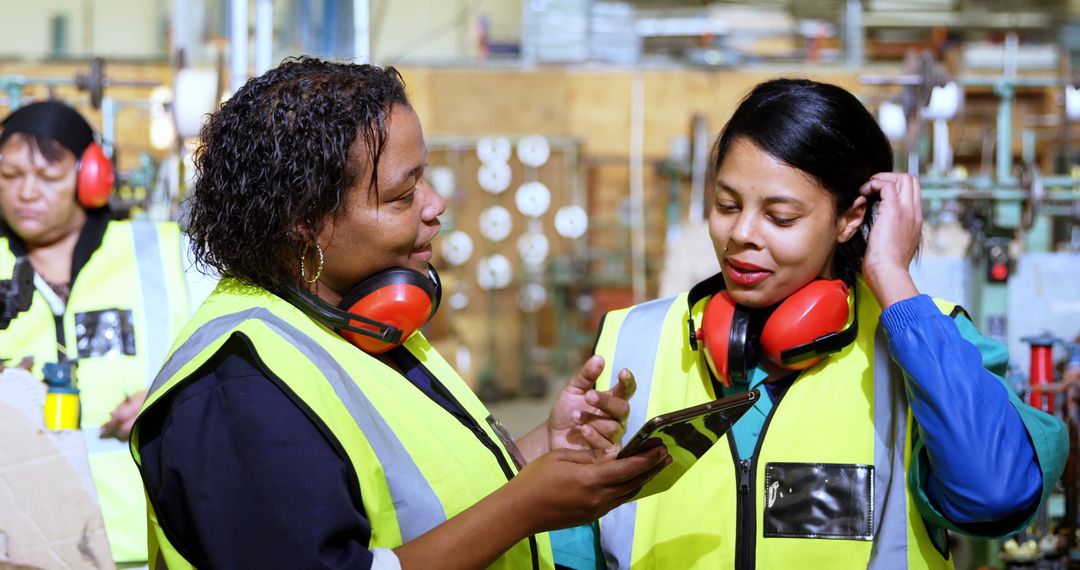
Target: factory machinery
[152, 183]
[527, 258]
[1020, 273]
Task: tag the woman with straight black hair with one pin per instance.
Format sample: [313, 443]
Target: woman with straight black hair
[884, 421]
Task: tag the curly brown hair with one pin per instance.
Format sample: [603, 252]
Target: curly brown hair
[274, 162]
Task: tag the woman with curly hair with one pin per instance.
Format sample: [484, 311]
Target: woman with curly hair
[301, 421]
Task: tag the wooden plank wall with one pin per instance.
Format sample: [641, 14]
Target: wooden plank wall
[592, 104]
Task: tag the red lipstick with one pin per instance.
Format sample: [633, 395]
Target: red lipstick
[745, 274]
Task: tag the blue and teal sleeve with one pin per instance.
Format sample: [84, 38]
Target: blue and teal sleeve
[982, 461]
[577, 548]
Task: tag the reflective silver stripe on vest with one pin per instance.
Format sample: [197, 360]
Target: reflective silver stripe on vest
[417, 506]
[890, 548]
[156, 319]
[635, 348]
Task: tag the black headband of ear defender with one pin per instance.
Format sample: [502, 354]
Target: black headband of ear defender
[50, 119]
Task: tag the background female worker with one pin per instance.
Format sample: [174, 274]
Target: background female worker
[848, 463]
[270, 440]
[110, 295]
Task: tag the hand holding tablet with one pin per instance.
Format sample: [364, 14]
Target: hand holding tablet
[687, 434]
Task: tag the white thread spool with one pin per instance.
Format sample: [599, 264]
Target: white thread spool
[195, 90]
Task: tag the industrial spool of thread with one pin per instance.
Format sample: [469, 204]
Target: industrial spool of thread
[1041, 372]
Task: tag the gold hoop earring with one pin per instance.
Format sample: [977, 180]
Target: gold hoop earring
[303, 270]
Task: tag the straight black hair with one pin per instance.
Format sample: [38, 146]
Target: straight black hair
[822, 130]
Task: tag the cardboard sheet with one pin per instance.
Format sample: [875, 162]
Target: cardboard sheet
[49, 514]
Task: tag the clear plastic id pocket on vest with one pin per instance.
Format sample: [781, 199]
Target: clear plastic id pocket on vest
[109, 332]
[819, 500]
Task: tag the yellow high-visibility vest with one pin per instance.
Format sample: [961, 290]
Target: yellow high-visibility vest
[129, 301]
[416, 464]
[827, 487]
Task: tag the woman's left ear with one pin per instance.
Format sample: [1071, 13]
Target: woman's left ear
[851, 220]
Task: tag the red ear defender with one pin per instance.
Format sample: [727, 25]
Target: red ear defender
[398, 298]
[95, 178]
[715, 324]
[795, 332]
[804, 328]
[728, 332]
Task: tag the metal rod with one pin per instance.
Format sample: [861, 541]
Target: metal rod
[264, 35]
[361, 31]
[1004, 133]
[238, 44]
[699, 167]
[637, 187]
[1002, 194]
[854, 32]
[181, 28]
[973, 80]
[983, 182]
[24, 80]
[108, 125]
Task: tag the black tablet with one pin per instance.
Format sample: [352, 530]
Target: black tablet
[687, 434]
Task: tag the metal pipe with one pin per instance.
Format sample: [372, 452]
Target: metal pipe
[238, 44]
[637, 187]
[853, 30]
[699, 167]
[972, 80]
[264, 35]
[1004, 133]
[1059, 181]
[329, 28]
[361, 31]
[181, 30]
[108, 125]
[1002, 194]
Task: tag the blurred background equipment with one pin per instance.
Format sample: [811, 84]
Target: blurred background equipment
[571, 140]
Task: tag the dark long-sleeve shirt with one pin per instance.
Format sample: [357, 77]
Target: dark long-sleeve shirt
[281, 496]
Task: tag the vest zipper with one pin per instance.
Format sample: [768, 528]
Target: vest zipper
[746, 505]
[745, 533]
[471, 423]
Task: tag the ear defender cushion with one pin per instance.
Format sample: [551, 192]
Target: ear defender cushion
[727, 333]
[95, 178]
[398, 297]
[816, 310]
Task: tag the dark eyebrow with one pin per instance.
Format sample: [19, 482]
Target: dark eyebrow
[413, 172]
[781, 199]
